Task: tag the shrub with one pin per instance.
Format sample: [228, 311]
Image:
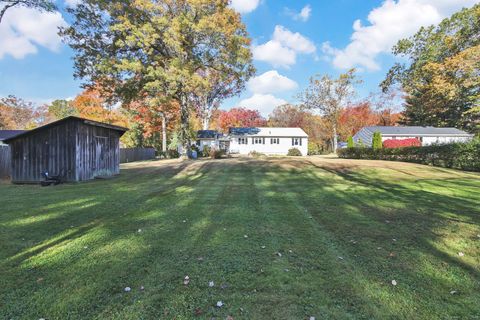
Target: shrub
[400, 143]
[216, 154]
[173, 154]
[377, 140]
[294, 152]
[206, 151]
[464, 156]
[350, 143]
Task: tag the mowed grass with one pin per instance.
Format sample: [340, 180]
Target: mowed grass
[282, 238]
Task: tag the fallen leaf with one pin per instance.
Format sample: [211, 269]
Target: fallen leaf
[198, 311]
[391, 254]
[39, 280]
[461, 254]
[245, 236]
[341, 258]
[229, 318]
[394, 282]
[186, 280]
[127, 289]
[211, 284]
[279, 254]
[142, 288]
[263, 247]
[312, 318]
[139, 230]
[219, 304]
[453, 292]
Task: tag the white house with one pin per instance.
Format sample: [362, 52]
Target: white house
[426, 135]
[272, 141]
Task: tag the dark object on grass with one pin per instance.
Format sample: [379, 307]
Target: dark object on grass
[52, 179]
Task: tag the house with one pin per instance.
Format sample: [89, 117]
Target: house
[272, 141]
[426, 135]
[6, 134]
[77, 149]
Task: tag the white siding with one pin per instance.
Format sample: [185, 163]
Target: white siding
[285, 143]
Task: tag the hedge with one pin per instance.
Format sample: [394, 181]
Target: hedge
[464, 156]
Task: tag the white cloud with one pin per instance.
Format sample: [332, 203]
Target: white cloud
[245, 6]
[282, 50]
[274, 53]
[72, 3]
[23, 29]
[390, 22]
[271, 82]
[303, 15]
[265, 103]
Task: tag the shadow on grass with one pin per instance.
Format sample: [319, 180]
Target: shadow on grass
[153, 226]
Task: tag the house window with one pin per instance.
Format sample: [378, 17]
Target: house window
[242, 141]
[258, 140]
[275, 141]
[296, 141]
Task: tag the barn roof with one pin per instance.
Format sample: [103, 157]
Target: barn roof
[70, 118]
[207, 134]
[268, 132]
[7, 134]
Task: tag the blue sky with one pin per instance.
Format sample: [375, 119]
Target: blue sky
[291, 41]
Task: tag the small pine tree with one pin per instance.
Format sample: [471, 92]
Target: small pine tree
[350, 143]
[377, 140]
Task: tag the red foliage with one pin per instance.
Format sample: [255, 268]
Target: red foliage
[239, 117]
[355, 117]
[400, 143]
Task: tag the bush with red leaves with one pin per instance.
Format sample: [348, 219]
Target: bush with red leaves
[401, 143]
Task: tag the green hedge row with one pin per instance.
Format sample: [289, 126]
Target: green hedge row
[464, 156]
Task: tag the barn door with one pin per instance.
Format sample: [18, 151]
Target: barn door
[101, 149]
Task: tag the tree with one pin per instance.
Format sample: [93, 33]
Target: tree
[239, 117]
[355, 117]
[377, 140]
[60, 109]
[288, 116]
[350, 143]
[220, 87]
[162, 50]
[91, 104]
[42, 5]
[329, 96]
[441, 79]
[16, 113]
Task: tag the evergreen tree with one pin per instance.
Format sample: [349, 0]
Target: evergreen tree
[377, 140]
[350, 143]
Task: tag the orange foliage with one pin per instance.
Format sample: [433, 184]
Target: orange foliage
[91, 105]
[238, 117]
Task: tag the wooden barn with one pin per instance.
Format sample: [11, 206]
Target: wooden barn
[74, 148]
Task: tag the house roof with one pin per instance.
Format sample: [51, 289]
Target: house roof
[366, 133]
[70, 118]
[417, 131]
[268, 132]
[7, 134]
[207, 134]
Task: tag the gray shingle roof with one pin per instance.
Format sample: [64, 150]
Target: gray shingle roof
[6, 134]
[366, 133]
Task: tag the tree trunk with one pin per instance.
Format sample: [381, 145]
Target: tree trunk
[205, 122]
[164, 132]
[184, 124]
[335, 140]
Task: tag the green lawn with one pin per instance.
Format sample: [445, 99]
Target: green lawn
[344, 230]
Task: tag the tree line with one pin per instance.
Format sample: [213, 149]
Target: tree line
[163, 68]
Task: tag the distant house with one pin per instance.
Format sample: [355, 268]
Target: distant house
[76, 148]
[7, 134]
[273, 141]
[426, 135]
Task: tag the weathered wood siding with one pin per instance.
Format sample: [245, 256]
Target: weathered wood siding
[97, 152]
[51, 150]
[75, 148]
[136, 154]
[5, 163]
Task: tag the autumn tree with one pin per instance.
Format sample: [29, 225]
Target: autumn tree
[239, 117]
[162, 50]
[42, 5]
[60, 109]
[329, 96]
[354, 117]
[91, 104]
[16, 113]
[440, 77]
